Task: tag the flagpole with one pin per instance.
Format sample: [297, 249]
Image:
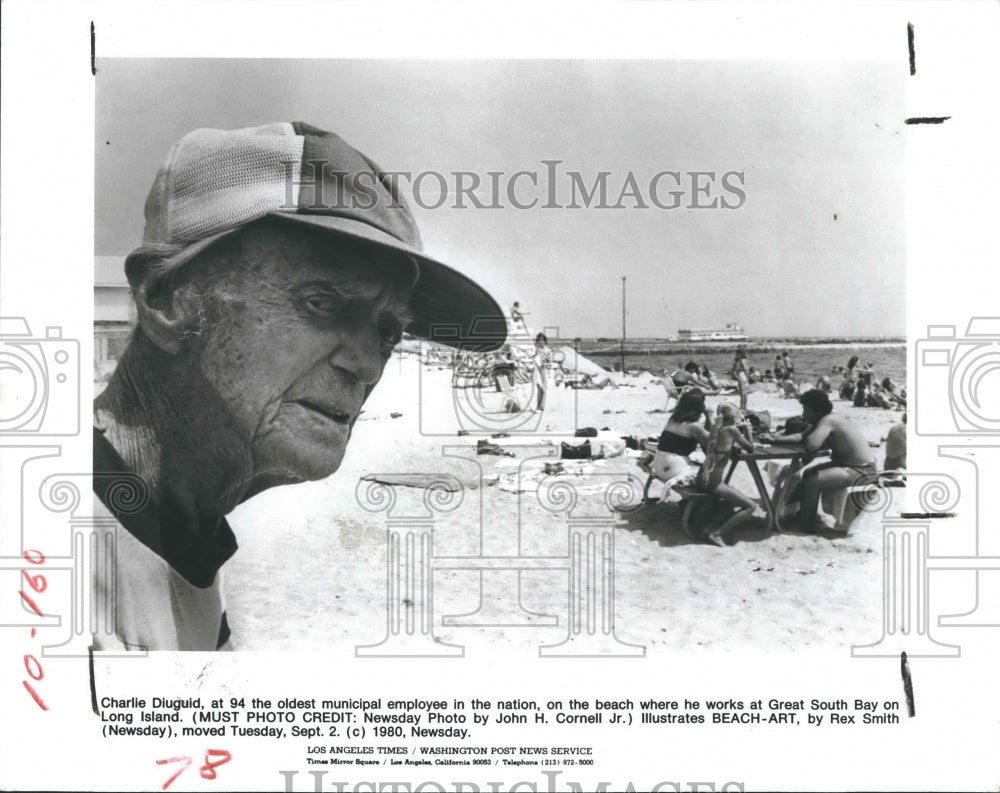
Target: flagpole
[623, 326]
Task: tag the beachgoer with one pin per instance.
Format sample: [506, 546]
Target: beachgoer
[518, 323]
[540, 370]
[686, 428]
[708, 377]
[262, 328]
[889, 388]
[877, 398]
[851, 373]
[851, 456]
[789, 389]
[895, 447]
[850, 381]
[753, 375]
[787, 364]
[823, 384]
[741, 376]
[779, 369]
[689, 376]
[861, 391]
[718, 447]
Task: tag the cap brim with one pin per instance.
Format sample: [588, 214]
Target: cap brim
[448, 307]
[146, 253]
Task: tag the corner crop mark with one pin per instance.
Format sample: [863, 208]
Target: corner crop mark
[926, 515]
[93, 681]
[904, 668]
[912, 48]
[93, 50]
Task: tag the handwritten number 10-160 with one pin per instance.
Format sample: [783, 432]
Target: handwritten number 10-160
[37, 584]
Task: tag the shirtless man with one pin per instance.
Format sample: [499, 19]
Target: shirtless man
[851, 456]
[689, 376]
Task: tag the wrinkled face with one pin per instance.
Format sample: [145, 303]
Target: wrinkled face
[301, 327]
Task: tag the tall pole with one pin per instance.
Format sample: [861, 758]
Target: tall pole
[623, 326]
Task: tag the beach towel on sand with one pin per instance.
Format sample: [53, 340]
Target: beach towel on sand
[451, 483]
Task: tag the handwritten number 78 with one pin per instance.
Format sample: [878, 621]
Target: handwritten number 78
[207, 770]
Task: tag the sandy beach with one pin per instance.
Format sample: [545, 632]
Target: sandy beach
[311, 568]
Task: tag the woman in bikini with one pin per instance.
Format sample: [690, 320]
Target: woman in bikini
[683, 434]
[849, 384]
[689, 427]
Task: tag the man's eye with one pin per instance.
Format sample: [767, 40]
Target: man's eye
[321, 304]
[391, 334]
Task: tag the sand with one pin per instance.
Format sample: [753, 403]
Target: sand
[311, 569]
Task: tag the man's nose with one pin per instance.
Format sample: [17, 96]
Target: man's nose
[359, 353]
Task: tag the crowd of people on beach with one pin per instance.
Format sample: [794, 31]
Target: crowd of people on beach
[859, 384]
[733, 428]
[863, 388]
[693, 426]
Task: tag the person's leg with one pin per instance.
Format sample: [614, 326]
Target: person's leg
[816, 482]
[746, 507]
[671, 390]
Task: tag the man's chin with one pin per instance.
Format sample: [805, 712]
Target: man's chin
[291, 464]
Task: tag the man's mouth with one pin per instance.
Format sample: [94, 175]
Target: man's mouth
[339, 416]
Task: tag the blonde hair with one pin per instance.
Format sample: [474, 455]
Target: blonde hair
[725, 414]
[728, 413]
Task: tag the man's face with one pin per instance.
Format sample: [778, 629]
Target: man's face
[811, 415]
[302, 327]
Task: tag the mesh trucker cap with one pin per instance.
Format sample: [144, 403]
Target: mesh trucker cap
[215, 181]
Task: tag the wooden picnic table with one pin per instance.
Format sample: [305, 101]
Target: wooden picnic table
[796, 454]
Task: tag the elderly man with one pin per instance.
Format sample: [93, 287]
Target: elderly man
[851, 457]
[279, 268]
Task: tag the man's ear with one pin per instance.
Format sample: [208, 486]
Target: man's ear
[167, 319]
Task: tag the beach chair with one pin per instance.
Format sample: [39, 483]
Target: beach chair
[510, 403]
[672, 391]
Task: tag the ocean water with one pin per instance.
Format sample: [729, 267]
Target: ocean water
[810, 361]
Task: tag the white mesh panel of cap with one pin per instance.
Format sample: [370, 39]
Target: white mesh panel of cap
[220, 179]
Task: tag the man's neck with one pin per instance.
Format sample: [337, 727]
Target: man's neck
[168, 426]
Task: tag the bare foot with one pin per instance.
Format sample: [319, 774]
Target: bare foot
[716, 538]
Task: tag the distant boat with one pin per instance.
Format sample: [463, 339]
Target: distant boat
[732, 332]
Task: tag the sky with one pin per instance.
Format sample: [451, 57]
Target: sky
[812, 244]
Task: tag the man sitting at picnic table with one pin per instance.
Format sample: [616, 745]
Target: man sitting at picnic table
[851, 457]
